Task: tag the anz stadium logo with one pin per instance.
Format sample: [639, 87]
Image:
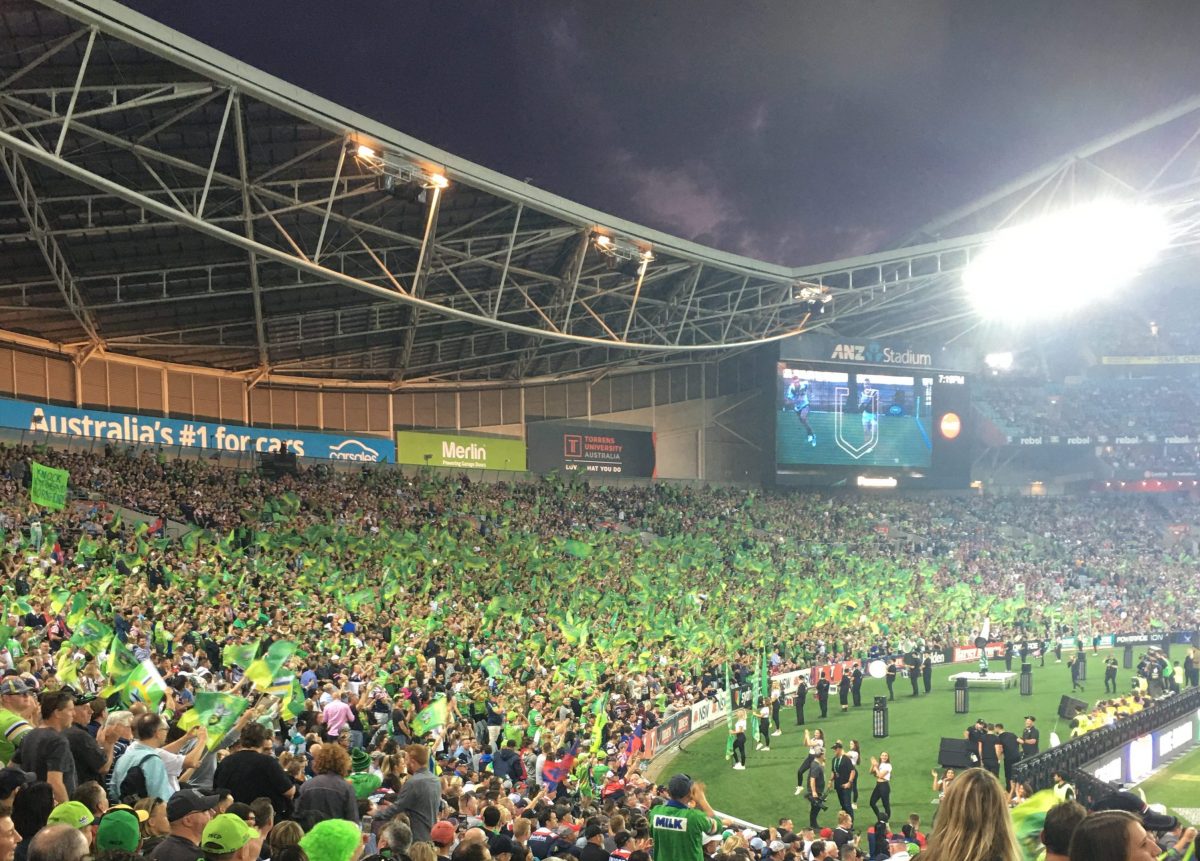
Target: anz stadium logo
[875, 354]
[352, 449]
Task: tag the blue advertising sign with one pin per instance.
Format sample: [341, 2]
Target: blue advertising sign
[149, 430]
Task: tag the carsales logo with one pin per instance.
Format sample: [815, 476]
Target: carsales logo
[951, 425]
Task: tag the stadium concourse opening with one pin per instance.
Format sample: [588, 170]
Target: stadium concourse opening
[361, 501]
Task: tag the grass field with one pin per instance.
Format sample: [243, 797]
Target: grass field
[900, 443]
[764, 791]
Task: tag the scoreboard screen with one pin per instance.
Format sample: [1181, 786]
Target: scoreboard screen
[831, 419]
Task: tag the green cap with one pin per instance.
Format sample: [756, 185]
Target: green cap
[118, 829]
[226, 832]
[72, 813]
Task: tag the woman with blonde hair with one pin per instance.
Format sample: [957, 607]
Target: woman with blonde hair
[973, 822]
[422, 852]
[283, 835]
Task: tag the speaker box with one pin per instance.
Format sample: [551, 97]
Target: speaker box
[954, 753]
[1069, 707]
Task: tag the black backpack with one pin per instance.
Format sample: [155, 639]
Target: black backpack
[133, 785]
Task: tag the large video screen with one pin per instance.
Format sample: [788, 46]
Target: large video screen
[833, 417]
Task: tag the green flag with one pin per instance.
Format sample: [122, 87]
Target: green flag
[120, 664]
[266, 669]
[293, 705]
[66, 668]
[600, 711]
[144, 685]
[729, 713]
[491, 666]
[431, 717]
[91, 635]
[216, 712]
[578, 549]
[48, 487]
[241, 655]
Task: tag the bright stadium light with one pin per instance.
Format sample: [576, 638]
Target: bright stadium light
[999, 361]
[1066, 260]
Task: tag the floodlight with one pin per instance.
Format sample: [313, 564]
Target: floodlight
[1065, 260]
[397, 170]
[365, 152]
[620, 248]
[999, 361]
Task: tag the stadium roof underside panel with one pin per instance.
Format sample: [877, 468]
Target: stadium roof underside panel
[164, 200]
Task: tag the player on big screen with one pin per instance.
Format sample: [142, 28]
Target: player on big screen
[866, 406]
[797, 396]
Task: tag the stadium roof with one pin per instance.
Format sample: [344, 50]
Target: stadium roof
[164, 200]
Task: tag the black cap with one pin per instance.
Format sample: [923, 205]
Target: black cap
[12, 778]
[1133, 804]
[592, 831]
[679, 786]
[1030, 717]
[187, 801]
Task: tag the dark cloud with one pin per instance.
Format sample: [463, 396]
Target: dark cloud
[792, 131]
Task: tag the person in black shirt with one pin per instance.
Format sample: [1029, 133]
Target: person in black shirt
[816, 789]
[823, 694]
[975, 736]
[927, 673]
[844, 691]
[843, 774]
[890, 676]
[799, 699]
[991, 752]
[593, 848]
[856, 680]
[914, 671]
[1073, 664]
[1008, 656]
[1110, 674]
[1030, 738]
[250, 773]
[1010, 748]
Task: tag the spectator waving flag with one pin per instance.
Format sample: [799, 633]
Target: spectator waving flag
[431, 717]
[216, 712]
[265, 670]
[241, 655]
[555, 771]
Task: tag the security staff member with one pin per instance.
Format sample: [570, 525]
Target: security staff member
[823, 694]
[927, 672]
[991, 750]
[1073, 665]
[1008, 655]
[844, 774]
[844, 690]
[914, 670]
[856, 679]
[890, 676]
[816, 790]
[1110, 674]
[1030, 738]
[1010, 748]
[799, 699]
[975, 738]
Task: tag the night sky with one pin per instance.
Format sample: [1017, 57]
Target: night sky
[790, 131]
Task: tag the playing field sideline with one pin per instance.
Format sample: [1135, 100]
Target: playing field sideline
[764, 791]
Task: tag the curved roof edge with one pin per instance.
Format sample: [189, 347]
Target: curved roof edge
[144, 32]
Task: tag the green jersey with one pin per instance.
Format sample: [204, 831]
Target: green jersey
[678, 831]
[12, 729]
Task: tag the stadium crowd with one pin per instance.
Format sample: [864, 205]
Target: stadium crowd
[269, 677]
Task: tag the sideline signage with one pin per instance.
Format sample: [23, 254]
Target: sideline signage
[460, 451]
[591, 449]
[153, 431]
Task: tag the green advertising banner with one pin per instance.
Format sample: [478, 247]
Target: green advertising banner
[458, 451]
[49, 487]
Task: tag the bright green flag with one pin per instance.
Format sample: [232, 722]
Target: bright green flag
[242, 655]
[216, 712]
[600, 711]
[66, 668]
[491, 666]
[266, 669]
[578, 549]
[120, 664]
[356, 599]
[431, 717]
[294, 704]
[144, 685]
[49, 487]
[91, 635]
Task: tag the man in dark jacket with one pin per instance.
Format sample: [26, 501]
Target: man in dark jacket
[506, 765]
